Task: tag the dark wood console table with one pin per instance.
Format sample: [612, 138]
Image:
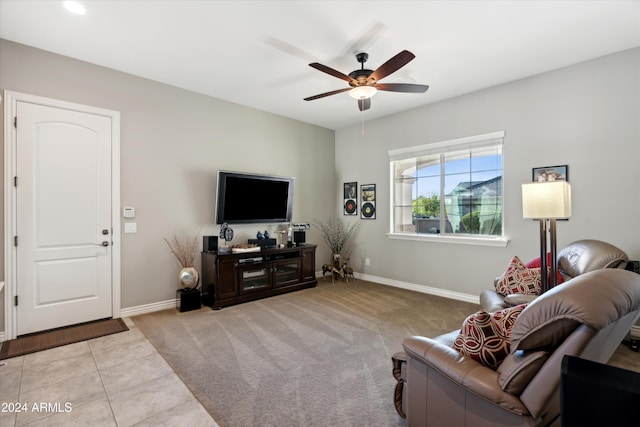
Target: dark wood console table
[229, 279]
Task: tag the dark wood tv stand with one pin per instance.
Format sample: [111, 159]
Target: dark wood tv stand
[229, 279]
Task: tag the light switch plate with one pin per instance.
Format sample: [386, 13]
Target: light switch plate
[130, 227]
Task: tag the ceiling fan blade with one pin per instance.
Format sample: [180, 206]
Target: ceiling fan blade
[364, 104]
[368, 36]
[322, 95]
[332, 72]
[401, 87]
[392, 65]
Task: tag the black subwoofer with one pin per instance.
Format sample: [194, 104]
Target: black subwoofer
[188, 299]
[209, 243]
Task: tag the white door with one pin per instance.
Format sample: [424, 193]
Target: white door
[63, 217]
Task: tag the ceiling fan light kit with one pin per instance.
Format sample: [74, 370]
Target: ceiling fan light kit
[364, 83]
[362, 92]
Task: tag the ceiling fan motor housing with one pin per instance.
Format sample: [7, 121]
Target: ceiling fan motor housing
[360, 76]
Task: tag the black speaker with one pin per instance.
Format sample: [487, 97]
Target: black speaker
[299, 237]
[209, 243]
[187, 299]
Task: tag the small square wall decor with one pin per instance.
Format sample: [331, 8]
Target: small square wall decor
[350, 197]
[368, 197]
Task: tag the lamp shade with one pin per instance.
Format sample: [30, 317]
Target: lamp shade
[550, 199]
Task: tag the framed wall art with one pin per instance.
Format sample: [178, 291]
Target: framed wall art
[368, 197]
[550, 173]
[350, 198]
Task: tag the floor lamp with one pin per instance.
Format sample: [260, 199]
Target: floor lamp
[547, 202]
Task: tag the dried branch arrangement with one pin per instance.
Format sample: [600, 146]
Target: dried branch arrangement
[339, 236]
[184, 249]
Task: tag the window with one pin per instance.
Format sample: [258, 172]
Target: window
[451, 188]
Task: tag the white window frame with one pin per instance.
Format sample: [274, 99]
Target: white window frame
[487, 139]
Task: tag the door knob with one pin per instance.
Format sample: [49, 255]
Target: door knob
[104, 243]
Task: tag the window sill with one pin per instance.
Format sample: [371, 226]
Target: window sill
[440, 238]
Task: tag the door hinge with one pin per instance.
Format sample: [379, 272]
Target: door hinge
[15, 300]
[15, 122]
[15, 240]
[15, 181]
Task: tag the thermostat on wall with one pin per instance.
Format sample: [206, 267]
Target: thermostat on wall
[128, 212]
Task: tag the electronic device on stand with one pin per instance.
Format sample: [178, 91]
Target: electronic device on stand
[299, 233]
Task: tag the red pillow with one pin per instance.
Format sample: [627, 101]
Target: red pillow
[536, 263]
[484, 336]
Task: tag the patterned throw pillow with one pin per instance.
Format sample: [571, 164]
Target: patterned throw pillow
[536, 263]
[484, 336]
[518, 279]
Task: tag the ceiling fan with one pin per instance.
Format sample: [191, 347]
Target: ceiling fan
[363, 83]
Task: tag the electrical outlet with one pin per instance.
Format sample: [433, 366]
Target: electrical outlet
[367, 261]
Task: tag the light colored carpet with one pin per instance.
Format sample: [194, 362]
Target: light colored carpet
[317, 357]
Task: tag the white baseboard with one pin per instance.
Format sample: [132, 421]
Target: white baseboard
[164, 305]
[148, 308]
[634, 331]
[474, 299]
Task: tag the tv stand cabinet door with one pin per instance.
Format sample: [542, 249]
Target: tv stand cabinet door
[308, 263]
[226, 283]
[286, 272]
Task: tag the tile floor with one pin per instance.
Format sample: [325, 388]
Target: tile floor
[116, 380]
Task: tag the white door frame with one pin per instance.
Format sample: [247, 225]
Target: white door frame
[10, 158]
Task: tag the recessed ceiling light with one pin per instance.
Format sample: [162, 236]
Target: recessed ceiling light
[75, 7]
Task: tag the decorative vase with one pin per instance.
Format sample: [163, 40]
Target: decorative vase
[188, 278]
[336, 260]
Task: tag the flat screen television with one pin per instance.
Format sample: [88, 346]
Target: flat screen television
[245, 198]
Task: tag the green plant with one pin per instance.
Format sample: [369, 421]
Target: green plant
[426, 206]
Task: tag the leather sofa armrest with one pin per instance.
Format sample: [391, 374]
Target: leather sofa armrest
[473, 376]
[491, 301]
[517, 299]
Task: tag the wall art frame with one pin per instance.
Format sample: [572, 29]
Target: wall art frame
[350, 198]
[368, 198]
[550, 173]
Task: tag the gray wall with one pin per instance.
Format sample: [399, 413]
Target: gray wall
[172, 144]
[586, 116]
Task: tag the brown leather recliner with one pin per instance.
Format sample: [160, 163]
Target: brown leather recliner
[577, 258]
[587, 317]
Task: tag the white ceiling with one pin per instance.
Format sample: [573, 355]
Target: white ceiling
[255, 53]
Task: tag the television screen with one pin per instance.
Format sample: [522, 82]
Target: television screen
[250, 198]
